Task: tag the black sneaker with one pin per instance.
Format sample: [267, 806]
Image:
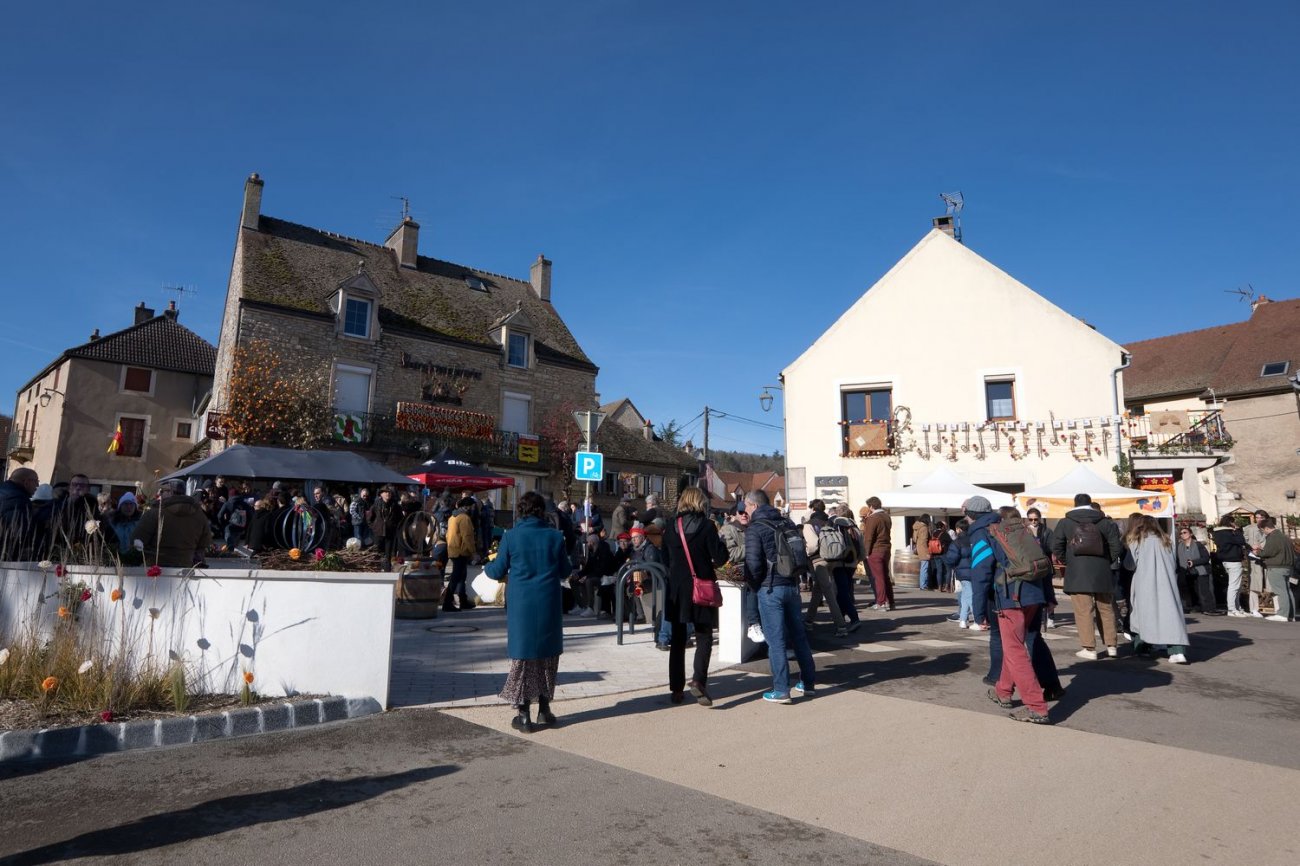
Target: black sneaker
[1053, 694]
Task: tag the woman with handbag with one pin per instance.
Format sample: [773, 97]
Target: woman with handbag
[693, 550]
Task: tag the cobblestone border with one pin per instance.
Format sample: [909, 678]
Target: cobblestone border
[84, 741]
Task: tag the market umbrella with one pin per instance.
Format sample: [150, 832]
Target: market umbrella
[449, 470]
[259, 461]
[1055, 499]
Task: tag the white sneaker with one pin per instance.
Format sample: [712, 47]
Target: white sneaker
[587, 613]
[1257, 614]
[1112, 651]
[1277, 618]
[1051, 623]
[963, 624]
[1237, 613]
[1128, 637]
[1178, 659]
[756, 634]
[1090, 655]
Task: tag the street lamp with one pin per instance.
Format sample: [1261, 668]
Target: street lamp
[47, 395]
[765, 400]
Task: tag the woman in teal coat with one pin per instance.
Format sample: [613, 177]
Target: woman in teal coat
[532, 560]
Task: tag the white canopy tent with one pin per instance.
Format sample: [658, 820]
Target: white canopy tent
[1055, 499]
[941, 490]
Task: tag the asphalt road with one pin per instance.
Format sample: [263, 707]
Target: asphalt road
[405, 787]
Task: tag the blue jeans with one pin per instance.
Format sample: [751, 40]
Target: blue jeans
[782, 613]
[965, 601]
[749, 605]
[843, 576]
[924, 582]
[665, 636]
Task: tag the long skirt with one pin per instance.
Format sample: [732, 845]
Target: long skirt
[530, 680]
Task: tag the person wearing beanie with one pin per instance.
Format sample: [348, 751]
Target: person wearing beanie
[122, 521]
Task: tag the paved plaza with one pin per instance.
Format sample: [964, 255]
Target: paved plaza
[898, 759]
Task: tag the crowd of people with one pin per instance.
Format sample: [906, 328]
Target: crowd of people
[1125, 584]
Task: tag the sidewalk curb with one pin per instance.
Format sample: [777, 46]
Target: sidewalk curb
[85, 741]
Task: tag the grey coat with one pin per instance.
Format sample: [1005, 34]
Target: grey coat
[1157, 608]
[1087, 574]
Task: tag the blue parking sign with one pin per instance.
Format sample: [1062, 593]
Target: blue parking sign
[589, 466]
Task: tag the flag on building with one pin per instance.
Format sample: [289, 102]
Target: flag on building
[115, 444]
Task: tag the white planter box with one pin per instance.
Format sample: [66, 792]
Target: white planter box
[733, 646]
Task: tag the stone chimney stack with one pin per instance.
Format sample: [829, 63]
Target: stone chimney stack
[252, 202]
[648, 431]
[1259, 302]
[945, 224]
[142, 313]
[540, 276]
[94, 335]
[403, 241]
[171, 312]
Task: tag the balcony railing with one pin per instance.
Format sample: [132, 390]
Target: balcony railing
[481, 445]
[21, 445]
[1175, 432]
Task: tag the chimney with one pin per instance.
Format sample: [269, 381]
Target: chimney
[945, 224]
[540, 277]
[648, 431]
[171, 312]
[252, 202]
[94, 335]
[1259, 302]
[403, 241]
[143, 313]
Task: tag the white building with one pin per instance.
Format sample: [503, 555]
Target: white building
[949, 361]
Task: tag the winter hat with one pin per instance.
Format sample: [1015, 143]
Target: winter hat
[623, 536]
[977, 505]
[637, 530]
[44, 493]
[127, 497]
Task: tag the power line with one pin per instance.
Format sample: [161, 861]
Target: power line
[718, 413]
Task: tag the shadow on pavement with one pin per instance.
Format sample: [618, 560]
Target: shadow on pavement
[227, 813]
[1092, 680]
[1205, 645]
[876, 670]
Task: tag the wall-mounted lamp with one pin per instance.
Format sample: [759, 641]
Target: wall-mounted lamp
[766, 399]
[47, 395]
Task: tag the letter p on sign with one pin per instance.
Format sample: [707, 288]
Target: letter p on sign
[589, 466]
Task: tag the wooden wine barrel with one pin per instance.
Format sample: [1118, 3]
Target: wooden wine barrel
[418, 595]
[907, 570]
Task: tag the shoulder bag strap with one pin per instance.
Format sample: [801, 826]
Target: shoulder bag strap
[681, 533]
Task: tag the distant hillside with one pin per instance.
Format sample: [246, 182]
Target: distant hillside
[743, 461]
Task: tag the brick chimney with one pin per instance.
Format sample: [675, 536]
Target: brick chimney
[540, 276]
[648, 431]
[945, 224]
[403, 241]
[252, 202]
[171, 312]
[142, 313]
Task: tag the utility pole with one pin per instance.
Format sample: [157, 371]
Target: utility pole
[706, 434]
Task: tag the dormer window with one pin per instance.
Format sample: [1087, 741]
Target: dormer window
[517, 352]
[1275, 368]
[355, 304]
[475, 283]
[356, 318]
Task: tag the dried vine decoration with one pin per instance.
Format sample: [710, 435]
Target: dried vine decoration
[902, 427]
[1105, 441]
[1087, 443]
[1042, 449]
[1073, 439]
[980, 451]
[925, 452]
[1056, 440]
[952, 455]
[966, 448]
[997, 438]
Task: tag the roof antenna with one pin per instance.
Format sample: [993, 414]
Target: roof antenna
[1247, 294]
[954, 203]
[180, 291]
[406, 206]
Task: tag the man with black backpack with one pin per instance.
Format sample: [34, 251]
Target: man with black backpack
[775, 559]
[1089, 544]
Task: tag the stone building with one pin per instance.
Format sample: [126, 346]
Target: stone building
[148, 380]
[636, 463]
[1227, 397]
[421, 353]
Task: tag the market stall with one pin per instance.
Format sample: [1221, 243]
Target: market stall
[1055, 499]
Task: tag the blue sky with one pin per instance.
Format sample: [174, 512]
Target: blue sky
[715, 182]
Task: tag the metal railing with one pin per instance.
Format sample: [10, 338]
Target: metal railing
[20, 441]
[1202, 431]
[659, 574]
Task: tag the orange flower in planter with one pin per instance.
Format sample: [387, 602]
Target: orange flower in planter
[295, 554]
[64, 613]
[116, 595]
[248, 677]
[49, 684]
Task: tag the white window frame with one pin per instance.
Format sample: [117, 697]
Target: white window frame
[528, 349]
[351, 367]
[144, 437]
[517, 396]
[348, 298]
[121, 380]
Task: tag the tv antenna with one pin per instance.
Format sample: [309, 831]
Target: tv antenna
[1247, 294]
[406, 206]
[180, 291]
[954, 202]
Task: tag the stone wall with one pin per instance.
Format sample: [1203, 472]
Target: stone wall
[1265, 463]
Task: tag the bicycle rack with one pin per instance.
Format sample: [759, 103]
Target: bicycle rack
[659, 575]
